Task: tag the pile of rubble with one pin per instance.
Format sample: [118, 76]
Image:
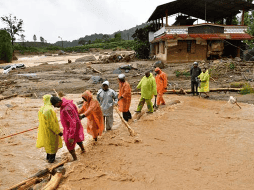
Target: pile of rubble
[105, 58]
[229, 66]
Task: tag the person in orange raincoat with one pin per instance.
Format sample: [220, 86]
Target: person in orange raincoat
[124, 97]
[161, 83]
[92, 110]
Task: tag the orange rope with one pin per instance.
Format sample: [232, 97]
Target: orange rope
[18, 133]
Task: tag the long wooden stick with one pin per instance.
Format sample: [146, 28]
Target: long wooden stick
[131, 131]
[56, 93]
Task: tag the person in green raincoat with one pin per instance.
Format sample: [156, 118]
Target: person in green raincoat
[148, 90]
[49, 134]
[204, 82]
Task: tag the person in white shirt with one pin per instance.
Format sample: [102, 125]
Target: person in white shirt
[107, 99]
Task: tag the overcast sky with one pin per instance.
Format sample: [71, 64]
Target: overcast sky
[72, 19]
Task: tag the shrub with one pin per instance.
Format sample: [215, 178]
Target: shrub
[6, 50]
[237, 85]
[178, 73]
[246, 89]
[232, 66]
[183, 73]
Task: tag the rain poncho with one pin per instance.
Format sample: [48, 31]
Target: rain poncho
[161, 81]
[107, 100]
[92, 110]
[125, 92]
[48, 128]
[72, 128]
[148, 87]
[204, 84]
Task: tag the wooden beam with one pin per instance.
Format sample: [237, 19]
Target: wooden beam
[242, 23]
[167, 17]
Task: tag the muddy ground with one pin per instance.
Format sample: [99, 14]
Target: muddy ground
[197, 144]
[53, 72]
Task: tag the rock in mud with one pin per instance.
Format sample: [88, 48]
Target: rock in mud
[117, 71]
[95, 79]
[159, 64]
[86, 59]
[173, 102]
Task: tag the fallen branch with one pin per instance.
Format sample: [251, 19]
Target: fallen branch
[32, 180]
[54, 182]
[131, 131]
[182, 91]
[8, 97]
[95, 70]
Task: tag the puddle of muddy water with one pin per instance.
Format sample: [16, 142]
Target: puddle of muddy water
[19, 158]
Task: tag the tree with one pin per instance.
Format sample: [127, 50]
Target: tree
[35, 38]
[42, 39]
[142, 46]
[22, 38]
[118, 36]
[97, 41]
[105, 37]
[89, 42]
[82, 42]
[6, 49]
[249, 21]
[14, 26]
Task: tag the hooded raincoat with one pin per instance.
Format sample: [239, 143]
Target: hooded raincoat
[204, 84]
[148, 87]
[161, 81]
[92, 110]
[125, 92]
[48, 128]
[72, 128]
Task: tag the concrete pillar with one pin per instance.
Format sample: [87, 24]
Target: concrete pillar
[161, 21]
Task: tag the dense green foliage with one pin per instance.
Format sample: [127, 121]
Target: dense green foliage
[93, 38]
[142, 45]
[5, 46]
[123, 44]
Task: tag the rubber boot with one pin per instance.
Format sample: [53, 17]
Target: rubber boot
[73, 153]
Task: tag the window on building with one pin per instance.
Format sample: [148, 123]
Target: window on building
[189, 46]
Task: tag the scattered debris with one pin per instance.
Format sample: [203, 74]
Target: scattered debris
[233, 100]
[93, 69]
[69, 61]
[61, 52]
[8, 68]
[86, 59]
[28, 75]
